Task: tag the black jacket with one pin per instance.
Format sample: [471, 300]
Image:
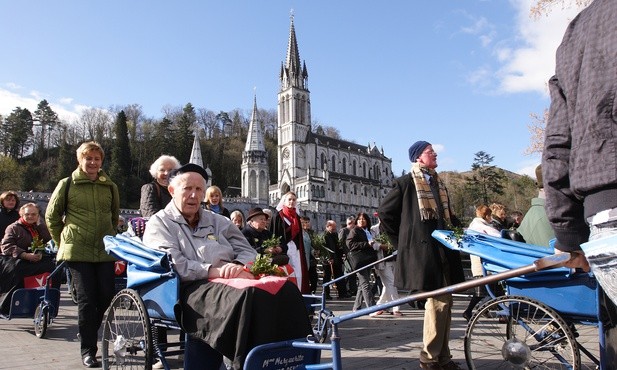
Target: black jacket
[422, 260]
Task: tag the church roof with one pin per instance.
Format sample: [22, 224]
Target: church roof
[330, 142]
[255, 137]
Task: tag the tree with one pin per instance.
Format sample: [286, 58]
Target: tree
[543, 7]
[184, 133]
[486, 180]
[48, 119]
[121, 162]
[18, 131]
[10, 173]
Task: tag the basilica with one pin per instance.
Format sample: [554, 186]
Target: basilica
[332, 178]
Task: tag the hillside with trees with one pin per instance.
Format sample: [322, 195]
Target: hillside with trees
[37, 150]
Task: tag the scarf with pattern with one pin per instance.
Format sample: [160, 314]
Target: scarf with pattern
[426, 200]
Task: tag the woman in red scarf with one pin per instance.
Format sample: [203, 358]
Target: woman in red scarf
[286, 225]
[19, 259]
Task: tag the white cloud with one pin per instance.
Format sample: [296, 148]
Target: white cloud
[11, 98]
[480, 27]
[529, 65]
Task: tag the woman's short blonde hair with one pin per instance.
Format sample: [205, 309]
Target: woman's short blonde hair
[88, 147]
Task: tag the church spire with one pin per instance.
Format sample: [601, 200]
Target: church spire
[293, 73]
[255, 138]
[196, 151]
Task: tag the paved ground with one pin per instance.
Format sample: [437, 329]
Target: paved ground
[370, 343]
[386, 342]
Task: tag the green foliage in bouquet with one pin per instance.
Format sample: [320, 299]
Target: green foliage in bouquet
[263, 267]
[274, 241]
[318, 242]
[457, 234]
[384, 239]
[37, 245]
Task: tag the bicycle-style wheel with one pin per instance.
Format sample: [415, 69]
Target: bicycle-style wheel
[127, 339]
[518, 332]
[41, 320]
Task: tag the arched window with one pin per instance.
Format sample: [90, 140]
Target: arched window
[364, 169]
[354, 169]
[323, 161]
[333, 167]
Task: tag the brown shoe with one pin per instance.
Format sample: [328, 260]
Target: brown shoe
[430, 366]
[451, 366]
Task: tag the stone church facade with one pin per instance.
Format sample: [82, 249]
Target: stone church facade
[332, 178]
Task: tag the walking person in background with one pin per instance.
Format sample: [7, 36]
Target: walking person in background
[286, 225]
[417, 205]
[214, 201]
[385, 273]
[579, 163]
[333, 263]
[350, 282]
[78, 218]
[9, 210]
[307, 235]
[361, 240]
[154, 195]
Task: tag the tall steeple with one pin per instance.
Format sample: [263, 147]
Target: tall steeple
[255, 138]
[196, 151]
[255, 175]
[294, 117]
[293, 74]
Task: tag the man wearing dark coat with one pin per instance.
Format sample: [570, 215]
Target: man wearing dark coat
[416, 206]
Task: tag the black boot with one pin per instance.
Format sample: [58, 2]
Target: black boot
[472, 303]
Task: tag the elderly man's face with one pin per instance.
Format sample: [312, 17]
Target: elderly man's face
[189, 193]
[428, 157]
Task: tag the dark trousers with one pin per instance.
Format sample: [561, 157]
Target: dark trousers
[95, 287]
[364, 289]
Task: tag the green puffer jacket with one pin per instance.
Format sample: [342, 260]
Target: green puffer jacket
[92, 212]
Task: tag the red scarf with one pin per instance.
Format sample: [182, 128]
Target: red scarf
[291, 215]
[31, 228]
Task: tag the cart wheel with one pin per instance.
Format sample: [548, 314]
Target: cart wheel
[73, 292]
[519, 332]
[127, 339]
[41, 319]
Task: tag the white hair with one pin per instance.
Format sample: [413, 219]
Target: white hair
[175, 164]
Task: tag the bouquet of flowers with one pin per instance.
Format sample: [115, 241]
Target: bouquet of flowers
[262, 266]
[37, 245]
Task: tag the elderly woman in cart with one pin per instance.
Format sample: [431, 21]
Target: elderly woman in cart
[22, 253]
[221, 301]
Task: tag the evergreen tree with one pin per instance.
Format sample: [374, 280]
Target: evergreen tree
[18, 129]
[121, 162]
[184, 133]
[48, 119]
[486, 181]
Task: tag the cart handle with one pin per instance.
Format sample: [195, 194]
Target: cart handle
[544, 263]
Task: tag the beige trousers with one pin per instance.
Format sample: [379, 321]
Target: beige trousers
[436, 332]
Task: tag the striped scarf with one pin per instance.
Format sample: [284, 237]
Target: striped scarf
[426, 201]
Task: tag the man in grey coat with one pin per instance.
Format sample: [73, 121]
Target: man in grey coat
[579, 161]
[416, 206]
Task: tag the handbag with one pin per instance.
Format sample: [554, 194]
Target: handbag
[362, 257]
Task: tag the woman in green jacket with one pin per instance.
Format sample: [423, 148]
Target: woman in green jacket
[82, 210]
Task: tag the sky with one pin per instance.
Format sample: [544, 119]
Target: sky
[464, 75]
